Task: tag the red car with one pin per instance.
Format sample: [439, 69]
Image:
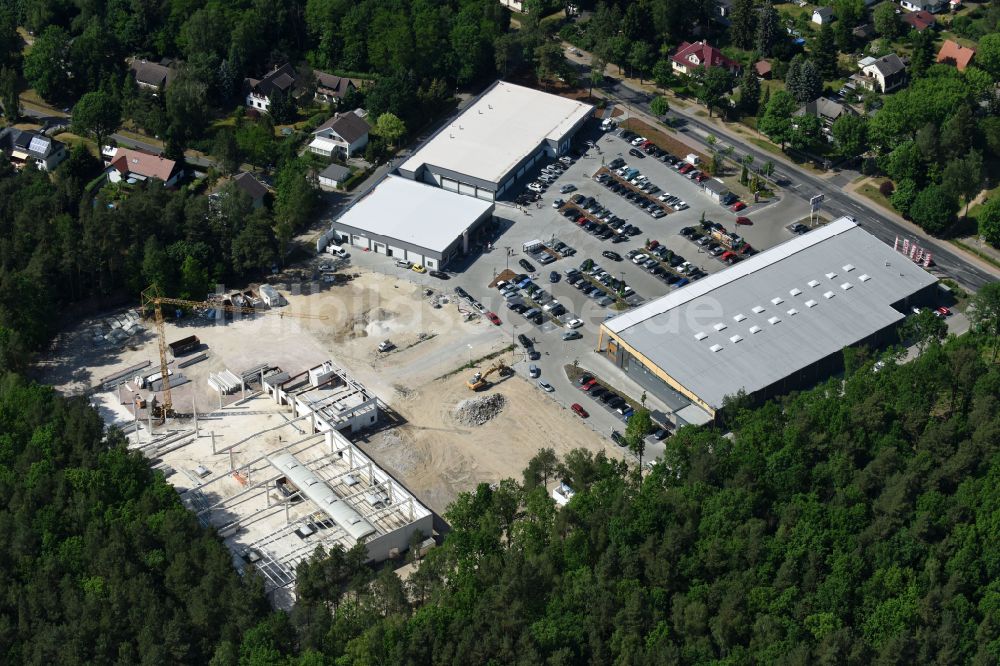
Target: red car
[744, 220]
[580, 221]
[492, 316]
[653, 245]
[580, 411]
[943, 312]
[685, 168]
[737, 207]
[701, 177]
[727, 255]
[589, 385]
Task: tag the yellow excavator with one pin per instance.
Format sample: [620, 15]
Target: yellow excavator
[480, 380]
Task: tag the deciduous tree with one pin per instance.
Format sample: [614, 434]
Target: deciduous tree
[97, 114]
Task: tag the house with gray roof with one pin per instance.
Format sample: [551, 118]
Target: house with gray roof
[23, 147]
[343, 135]
[827, 110]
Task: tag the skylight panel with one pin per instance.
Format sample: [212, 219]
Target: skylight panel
[755, 329]
[700, 335]
[792, 312]
[720, 326]
[830, 276]
[716, 348]
[777, 301]
[773, 320]
[848, 268]
[813, 283]
[846, 286]
[758, 309]
[864, 277]
[740, 317]
[810, 303]
[828, 295]
[736, 338]
[795, 292]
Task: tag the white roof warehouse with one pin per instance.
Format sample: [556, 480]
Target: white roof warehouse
[496, 139]
[412, 221]
[774, 322]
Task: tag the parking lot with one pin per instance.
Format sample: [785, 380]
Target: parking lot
[567, 246]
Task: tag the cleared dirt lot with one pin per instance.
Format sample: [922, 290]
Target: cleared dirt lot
[432, 453]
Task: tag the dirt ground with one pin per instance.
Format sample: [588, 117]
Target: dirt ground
[431, 452]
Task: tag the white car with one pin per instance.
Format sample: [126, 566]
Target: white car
[664, 196]
[557, 203]
[639, 140]
[536, 187]
[545, 386]
[639, 258]
[574, 323]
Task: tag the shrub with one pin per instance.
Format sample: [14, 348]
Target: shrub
[887, 188]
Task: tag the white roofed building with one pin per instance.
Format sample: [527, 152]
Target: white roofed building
[771, 323]
[412, 221]
[496, 140]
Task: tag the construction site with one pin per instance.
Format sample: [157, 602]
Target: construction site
[291, 426]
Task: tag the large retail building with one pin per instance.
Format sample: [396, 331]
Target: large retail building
[772, 323]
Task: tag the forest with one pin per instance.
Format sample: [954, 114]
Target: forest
[857, 522]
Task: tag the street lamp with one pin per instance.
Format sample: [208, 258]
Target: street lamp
[470, 355]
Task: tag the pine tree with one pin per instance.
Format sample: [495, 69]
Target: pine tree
[768, 29]
[749, 92]
[743, 23]
[825, 52]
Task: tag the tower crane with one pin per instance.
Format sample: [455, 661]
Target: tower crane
[152, 299]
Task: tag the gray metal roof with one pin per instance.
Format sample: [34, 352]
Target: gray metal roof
[774, 314]
[322, 496]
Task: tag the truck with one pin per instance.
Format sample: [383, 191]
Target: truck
[532, 245]
[336, 250]
[730, 240]
[184, 346]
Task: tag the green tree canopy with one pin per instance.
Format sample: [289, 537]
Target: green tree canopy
[934, 209]
[659, 106]
[98, 114]
[776, 122]
[389, 127]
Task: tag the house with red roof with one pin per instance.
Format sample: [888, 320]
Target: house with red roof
[690, 57]
[920, 20]
[134, 166]
[956, 55]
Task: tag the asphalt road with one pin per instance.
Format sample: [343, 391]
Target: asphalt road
[801, 183]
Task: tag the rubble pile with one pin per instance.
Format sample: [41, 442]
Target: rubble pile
[477, 411]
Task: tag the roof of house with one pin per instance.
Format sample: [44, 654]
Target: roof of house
[824, 12]
[127, 161]
[33, 144]
[707, 55]
[348, 126]
[762, 67]
[331, 84]
[716, 186]
[506, 124]
[953, 53]
[920, 20]
[335, 172]
[888, 65]
[151, 73]
[770, 316]
[414, 212]
[253, 187]
[823, 107]
[864, 31]
[279, 79]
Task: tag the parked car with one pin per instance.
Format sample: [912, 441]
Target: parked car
[584, 379]
[566, 189]
[533, 371]
[526, 265]
[402, 263]
[492, 316]
[417, 268]
[579, 411]
[942, 312]
[545, 386]
[798, 228]
[524, 340]
[589, 385]
[574, 323]
[635, 152]
[737, 207]
[571, 335]
[613, 256]
[745, 221]
[639, 258]
[439, 275]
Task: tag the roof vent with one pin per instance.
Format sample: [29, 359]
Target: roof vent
[755, 329]
[735, 338]
[777, 301]
[720, 326]
[700, 335]
[758, 309]
[795, 291]
[813, 283]
[830, 276]
[716, 348]
[810, 303]
[792, 312]
[740, 317]
[828, 294]
[773, 321]
[848, 268]
[864, 277]
[846, 286]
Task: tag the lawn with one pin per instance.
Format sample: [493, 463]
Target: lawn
[872, 192]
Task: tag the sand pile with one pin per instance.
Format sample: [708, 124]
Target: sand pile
[477, 411]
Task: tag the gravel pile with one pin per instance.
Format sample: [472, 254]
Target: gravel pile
[477, 411]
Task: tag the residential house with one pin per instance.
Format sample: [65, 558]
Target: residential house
[919, 20]
[333, 175]
[884, 74]
[331, 89]
[691, 57]
[513, 5]
[155, 76]
[827, 111]
[762, 69]
[341, 136]
[246, 183]
[724, 8]
[956, 55]
[715, 189]
[133, 166]
[26, 147]
[260, 92]
[932, 6]
[822, 15]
